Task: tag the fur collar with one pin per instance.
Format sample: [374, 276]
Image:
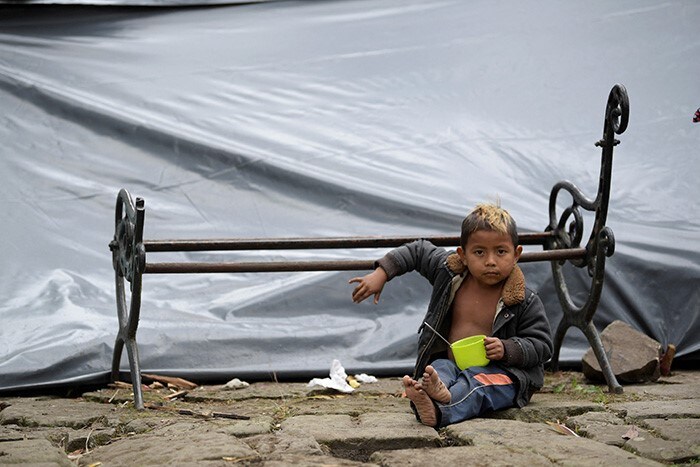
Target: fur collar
[513, 289]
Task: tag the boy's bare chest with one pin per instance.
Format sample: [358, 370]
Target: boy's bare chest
[473, 311]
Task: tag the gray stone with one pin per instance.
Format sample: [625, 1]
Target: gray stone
[610, 430]
[271, 390]
[662, 450]
[325, 461]
[543, 408]
[348, 404]
[541, 439]
[261, 390]
[677, 440]
[679, 385]
[176, 443]
[389, 387]
[666, 440]
[492, 456]
[635, 411]
[633, 356]
[605, 428]
[71, 440]
[34, 452]
[594, 419]
[254, 426]
[11, 433]
[141, 425]
[56, 412]
[676, 429]
[276, 444]
[357, 438]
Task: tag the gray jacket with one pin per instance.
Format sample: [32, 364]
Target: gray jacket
[520, 322]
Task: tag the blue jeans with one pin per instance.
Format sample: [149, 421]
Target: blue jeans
[475, 391]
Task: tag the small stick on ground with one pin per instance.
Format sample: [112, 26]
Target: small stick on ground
[113, 396]
[178, 382]
[232, 416]
[175, 395]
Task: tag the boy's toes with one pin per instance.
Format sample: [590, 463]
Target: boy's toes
[434, 387]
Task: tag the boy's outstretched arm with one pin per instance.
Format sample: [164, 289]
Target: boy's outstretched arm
[371, 284]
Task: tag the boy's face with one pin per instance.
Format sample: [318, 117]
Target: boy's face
[490, 256]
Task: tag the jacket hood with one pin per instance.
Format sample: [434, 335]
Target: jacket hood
[513, 289]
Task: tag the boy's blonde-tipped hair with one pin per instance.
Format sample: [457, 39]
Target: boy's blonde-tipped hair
[487, 216]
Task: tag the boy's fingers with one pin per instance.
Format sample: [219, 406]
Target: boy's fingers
[354, 279]
[361, 293]
[489, 342]
[358, 296]
[376, 297]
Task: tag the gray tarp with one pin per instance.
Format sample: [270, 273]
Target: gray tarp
[338, 118]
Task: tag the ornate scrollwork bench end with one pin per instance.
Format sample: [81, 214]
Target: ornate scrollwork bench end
[128, 260]
[600, 245]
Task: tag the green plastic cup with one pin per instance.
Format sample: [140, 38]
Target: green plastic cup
[469, 352]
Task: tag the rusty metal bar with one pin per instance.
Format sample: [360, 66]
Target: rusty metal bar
[276, 266]
[338, 265]
[153, 246]
[552, 255]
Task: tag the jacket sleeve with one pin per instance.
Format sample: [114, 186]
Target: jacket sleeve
[421, 256]
[532, 343]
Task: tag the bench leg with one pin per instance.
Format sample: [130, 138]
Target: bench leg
[591, 333]
[134, 367]
[597, 345]
[128, 259]
[133, 352]
[117, 358]
[128, 321]
[582, 318]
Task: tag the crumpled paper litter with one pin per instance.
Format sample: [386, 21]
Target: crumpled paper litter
[338, 379]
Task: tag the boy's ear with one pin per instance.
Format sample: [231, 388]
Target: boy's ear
[518, 252]
[462, 255]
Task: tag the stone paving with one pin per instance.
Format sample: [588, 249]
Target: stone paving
[271, 424]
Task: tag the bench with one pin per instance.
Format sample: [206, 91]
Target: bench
[560, 242]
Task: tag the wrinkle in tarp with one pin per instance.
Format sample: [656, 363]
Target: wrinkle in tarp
[336, 118]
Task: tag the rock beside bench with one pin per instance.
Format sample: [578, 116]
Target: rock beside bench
[634, 357]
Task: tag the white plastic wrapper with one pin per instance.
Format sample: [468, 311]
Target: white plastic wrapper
[365, 378]
[337, 379]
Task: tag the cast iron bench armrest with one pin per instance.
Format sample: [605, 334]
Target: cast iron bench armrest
[561, 242]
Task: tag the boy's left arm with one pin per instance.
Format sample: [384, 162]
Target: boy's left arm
[532, 344]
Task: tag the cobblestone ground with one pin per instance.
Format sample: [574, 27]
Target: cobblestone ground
[569, 423]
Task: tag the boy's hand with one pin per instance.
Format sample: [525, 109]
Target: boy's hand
[371, 284]
[494, 348]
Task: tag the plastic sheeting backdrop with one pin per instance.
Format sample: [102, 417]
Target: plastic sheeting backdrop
[346, 118]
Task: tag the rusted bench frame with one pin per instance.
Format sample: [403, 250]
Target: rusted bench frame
[561, 242]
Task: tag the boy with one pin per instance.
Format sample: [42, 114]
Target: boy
[477, 290]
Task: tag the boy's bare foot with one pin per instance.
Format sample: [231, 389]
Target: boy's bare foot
[423, 402]
[434, 387]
